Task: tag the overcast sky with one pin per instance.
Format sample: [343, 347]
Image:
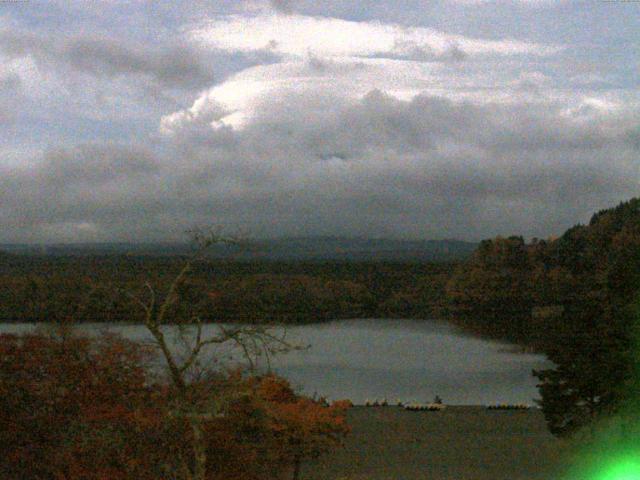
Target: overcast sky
[135, 120]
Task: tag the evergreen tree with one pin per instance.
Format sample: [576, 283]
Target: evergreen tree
[592, 340]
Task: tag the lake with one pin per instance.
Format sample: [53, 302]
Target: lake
[407, 360]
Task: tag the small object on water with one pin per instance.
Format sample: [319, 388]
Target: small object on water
[508, 406]
[420, 407]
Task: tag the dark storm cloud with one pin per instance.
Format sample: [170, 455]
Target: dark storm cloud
[422, 168]
[173, 66]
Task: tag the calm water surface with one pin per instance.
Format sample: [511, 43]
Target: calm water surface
[408, 360]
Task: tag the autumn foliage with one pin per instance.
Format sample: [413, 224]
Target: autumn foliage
[575, 298]
[79, 408]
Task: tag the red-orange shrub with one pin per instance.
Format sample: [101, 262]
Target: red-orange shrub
[79, 408]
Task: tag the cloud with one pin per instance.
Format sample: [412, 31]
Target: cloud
[10, 83]
[331, 56]
[279, 123]
[375, 166]
[176, 66]
[424, 53]
[527, 3]
[10, 91]
[77, 88]
[84, 185]
[241, 97]
[297, 35]
[283, 6]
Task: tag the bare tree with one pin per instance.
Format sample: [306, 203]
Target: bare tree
[252, 341]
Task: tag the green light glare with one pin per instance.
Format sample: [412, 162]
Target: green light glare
[623, 469]
[605, 457]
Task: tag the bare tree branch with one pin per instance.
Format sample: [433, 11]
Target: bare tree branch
[253, 341]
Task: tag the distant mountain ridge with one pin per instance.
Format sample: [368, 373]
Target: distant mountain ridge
[294, 248]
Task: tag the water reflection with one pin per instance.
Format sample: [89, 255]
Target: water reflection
[410, 360]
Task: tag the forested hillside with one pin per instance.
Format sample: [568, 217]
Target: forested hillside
[99, 288]
[574, 298]
[517, 290]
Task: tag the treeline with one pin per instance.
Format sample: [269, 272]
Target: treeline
[525, 291]
[106, 288]
[575, 299]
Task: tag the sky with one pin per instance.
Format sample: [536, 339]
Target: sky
[136, 120]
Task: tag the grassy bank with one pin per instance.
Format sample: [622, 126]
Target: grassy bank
[459, 443]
